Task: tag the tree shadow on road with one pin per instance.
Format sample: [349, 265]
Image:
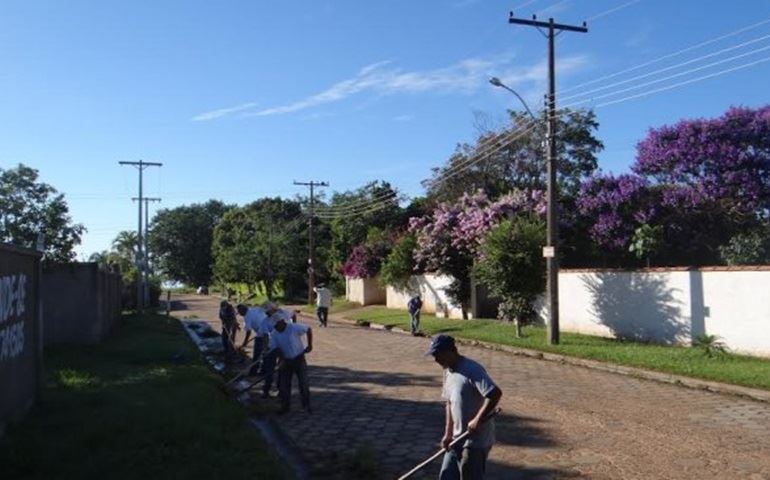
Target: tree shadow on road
[403, 426]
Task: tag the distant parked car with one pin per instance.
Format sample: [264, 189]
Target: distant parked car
[203, 290]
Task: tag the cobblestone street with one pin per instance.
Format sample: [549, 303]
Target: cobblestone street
[375, 389]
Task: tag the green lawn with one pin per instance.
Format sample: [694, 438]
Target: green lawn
[141, 405]
[735, 369]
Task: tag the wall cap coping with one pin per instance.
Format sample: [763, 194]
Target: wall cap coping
[713, 268]
[7, 247]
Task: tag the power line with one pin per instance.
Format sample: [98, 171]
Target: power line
[686, 82]
[676, 75]
[667, 56]
[672, 67]
[360, 211]
[611, 10]
[382, 197]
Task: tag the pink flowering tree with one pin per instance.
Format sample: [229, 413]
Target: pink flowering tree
[365, 259]
[448, 238]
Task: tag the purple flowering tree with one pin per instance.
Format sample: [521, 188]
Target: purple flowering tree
[722, 162]
[702, 182]
[449, 237]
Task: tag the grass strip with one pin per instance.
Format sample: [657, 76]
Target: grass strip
[140, 405]
[731, 368]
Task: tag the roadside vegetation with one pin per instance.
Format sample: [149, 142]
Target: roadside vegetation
[693, 362]
[140, 405]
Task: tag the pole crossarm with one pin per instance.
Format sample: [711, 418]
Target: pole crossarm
[556, 26]
[551, 252]
[141, 265]
[311, 242]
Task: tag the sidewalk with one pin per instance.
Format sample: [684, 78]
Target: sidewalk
[375, 389]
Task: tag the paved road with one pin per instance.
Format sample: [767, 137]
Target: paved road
[375, 390]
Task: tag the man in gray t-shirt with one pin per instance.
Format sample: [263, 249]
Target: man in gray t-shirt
[470, 395]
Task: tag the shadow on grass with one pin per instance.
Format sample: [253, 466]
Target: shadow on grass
[126, 409]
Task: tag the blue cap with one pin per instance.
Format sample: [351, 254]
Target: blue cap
[440, 343]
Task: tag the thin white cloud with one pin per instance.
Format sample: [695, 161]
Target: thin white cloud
[403, 118]
[383, 78]
[223, 112]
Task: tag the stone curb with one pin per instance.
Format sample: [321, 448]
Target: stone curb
[679, 380]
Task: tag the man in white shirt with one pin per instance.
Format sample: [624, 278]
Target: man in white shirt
[323, 303]
[286, 340]
[270, 358]
[252, 319]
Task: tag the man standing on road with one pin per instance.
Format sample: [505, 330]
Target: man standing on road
[323, 303]
[470, 396]
[414, 306]
[229, 326]
[286, 340]
[252, 317]
[270, 358]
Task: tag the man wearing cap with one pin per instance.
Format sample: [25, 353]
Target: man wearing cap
[470, 396]
[286, 341]
[252, 317]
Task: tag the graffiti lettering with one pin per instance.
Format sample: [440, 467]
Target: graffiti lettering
[13, 296]
[11, 341]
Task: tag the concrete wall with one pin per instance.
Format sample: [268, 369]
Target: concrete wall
[21, 347]
[81, 303]
[434, 298]
[366, 291]
[670, 305]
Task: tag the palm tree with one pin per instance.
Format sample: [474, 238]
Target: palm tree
[125, 244]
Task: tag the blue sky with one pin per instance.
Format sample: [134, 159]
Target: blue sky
[240, 98]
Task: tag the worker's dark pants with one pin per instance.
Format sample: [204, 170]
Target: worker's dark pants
[415, 324]
[259, 345]
[268, 369]
[464, 464]
[290, 367]
[227, 343]
[323, 315]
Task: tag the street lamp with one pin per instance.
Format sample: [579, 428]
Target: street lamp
[497, 83]
[552, 226]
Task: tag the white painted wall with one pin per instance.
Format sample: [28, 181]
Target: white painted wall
[431, 289]
[670, 305]
[366, 291]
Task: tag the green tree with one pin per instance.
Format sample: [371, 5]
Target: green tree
[29, 207]
[350, 215]
[123, 253]
[748, 248]
[510, 264]
[514, 160]
[181, 239]
[262, 243]
[399, 265]
[645, 241]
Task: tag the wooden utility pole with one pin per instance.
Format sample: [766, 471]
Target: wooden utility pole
[311, 245]
[551, 251]
[140, 165]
